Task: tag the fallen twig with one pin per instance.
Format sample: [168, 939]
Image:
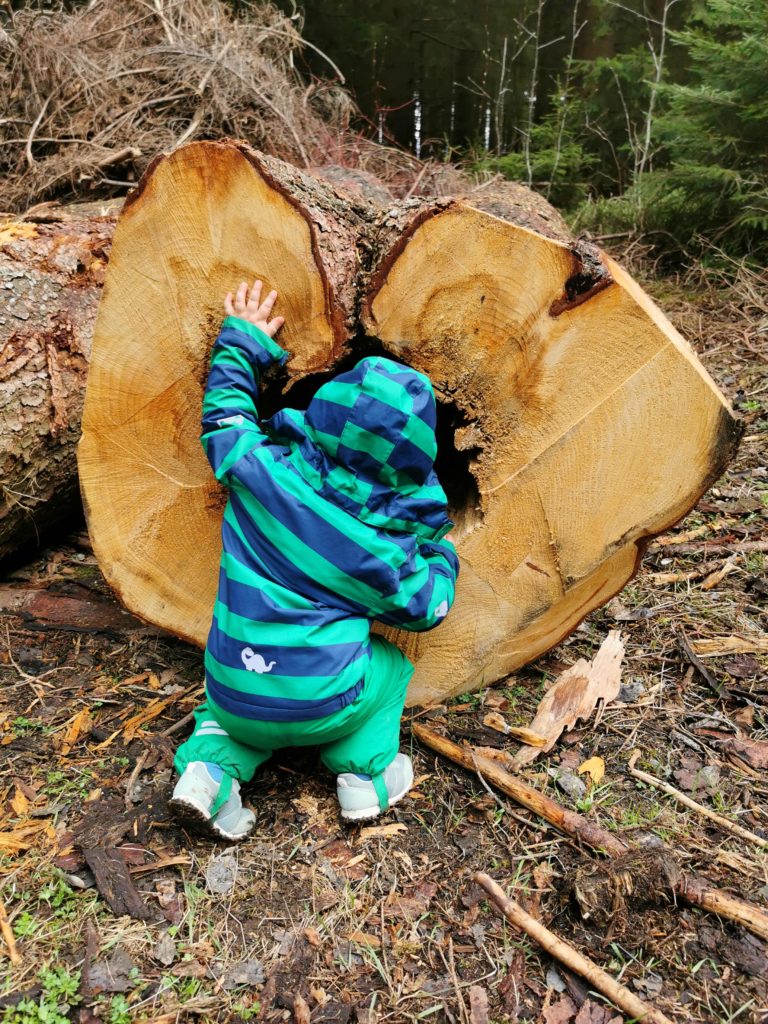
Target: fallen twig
[694, 890]
[665, 787]
[134, 777]
[177, 726]
[703, 671]
[619, 995]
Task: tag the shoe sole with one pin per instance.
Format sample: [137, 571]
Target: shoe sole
[188, 812]
[369, 813]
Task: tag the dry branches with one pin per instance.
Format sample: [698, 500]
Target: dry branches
[93, 94]
[618, 994]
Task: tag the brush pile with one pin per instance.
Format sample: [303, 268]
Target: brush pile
[91, 95]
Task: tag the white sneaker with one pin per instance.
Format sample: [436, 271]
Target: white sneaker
[193, 800]
[357, 794]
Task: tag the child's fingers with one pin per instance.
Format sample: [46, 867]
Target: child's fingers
[240, 298]
[253, 300]
[274, 326]
[229, 309]
[266, 307]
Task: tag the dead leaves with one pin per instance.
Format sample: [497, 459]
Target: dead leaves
[753, 752]
[565, 1011]
[575, 695]
[595, 768]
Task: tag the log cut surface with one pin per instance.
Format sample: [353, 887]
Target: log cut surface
[200, 222]
[595, 426]
[587, 425]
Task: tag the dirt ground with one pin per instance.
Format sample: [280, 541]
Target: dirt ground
[309, 920]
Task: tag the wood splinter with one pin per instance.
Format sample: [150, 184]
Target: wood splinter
[8, 936]
[619, 995]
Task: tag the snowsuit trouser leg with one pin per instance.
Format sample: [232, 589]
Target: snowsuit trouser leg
[370, 747]
[211, 742]
[363, 737]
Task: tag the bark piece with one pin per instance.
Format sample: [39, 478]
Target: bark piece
[80, 614]
[51, 275]
[114, 883]
[575, 695]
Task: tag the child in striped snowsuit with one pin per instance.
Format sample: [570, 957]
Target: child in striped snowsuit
[334, 518]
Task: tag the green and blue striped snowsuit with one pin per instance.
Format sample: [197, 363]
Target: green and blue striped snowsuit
[334, 518]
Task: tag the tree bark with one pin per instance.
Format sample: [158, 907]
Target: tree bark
[51, 273]
[577, 423]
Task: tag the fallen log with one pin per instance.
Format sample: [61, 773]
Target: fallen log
[78, 611]
[692, 889]
[51, 273]
[575, 422]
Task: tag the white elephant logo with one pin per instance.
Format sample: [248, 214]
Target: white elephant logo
[254, 662]
[442, 610]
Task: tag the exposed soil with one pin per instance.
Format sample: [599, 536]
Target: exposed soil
[309, 920]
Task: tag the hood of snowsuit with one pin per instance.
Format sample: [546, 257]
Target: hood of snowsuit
[367, 442]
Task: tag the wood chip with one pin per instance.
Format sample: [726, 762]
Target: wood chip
[717, 645]
[493, 720]
[382, 831]
[75, 729]
[300, 1010]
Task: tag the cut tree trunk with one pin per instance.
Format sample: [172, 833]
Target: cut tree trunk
[51, 273]
[575, 422]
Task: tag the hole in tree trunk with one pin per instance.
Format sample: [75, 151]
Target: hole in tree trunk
[454, 461]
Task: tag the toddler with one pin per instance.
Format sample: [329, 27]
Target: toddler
[335, 517]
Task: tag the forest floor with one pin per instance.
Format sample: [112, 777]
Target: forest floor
[310, 920]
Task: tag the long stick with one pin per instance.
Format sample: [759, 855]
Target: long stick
[725, 823]
[10, 938]
[618, 994]
[690, 888]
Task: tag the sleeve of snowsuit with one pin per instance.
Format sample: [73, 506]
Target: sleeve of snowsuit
[230, 420]
[426, 589]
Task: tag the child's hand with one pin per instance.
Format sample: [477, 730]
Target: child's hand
[248, 308]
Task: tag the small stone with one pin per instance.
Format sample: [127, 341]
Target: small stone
[248, 972]
[221, 873]
[555, 980]
[650, 985]
[630, 691]
[708, 777]
[571, 784]
[165, 950]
